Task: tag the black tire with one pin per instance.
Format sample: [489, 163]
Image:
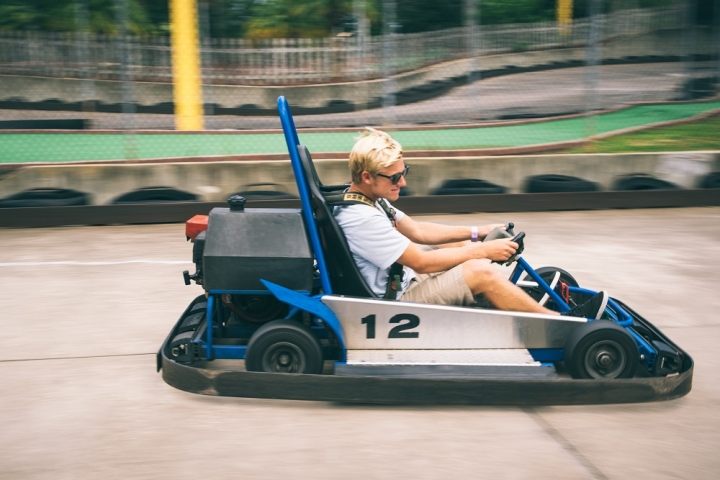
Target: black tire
[558, 183]
[46, 197]
[257, 191]
[641, 182]
[191, 322]
[711, 180]
[468, 186]
[596, 342]
[155, 195]
[198, 302]
[284, 346]
[266, 195]
[198, 307]
[547, 274]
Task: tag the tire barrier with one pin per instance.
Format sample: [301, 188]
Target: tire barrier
[641, 181]
[59, 124]
[468, 186]
[46, 197]
[180, 212]
[711, 180]
[155, 195]
[696, 88]
[554, 183]
[266, 191]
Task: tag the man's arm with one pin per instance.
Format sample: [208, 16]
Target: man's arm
[432, 261]
[426, 233]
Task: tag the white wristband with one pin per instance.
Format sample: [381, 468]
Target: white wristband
[474, 234]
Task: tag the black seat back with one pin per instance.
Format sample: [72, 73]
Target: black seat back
[345, 277]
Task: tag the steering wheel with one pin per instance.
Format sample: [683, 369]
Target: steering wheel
[507, 232]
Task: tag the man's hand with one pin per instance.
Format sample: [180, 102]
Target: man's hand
[484, 230]
[498, 250]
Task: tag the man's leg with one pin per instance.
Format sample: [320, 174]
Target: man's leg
[444, 288]
[483, 279]
[460, 285]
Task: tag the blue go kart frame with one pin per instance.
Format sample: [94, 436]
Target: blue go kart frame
[331, 346]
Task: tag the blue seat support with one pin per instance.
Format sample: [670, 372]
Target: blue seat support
[291, 138]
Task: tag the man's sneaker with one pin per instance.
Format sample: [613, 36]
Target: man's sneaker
[593, 308]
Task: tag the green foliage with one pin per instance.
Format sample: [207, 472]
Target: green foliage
[62, 16]
[294, 19]
[495, 12]
[228, 18]
[422, 16]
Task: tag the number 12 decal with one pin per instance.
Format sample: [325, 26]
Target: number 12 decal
[400, 331]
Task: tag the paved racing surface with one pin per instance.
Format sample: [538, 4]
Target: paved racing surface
[85, 310]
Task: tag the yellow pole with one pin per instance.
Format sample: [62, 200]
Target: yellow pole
[564, 16]
[187, 88]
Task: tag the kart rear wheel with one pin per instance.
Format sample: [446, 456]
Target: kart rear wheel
[284, 346]
[601, 349]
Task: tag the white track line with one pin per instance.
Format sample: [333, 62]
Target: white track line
[93, 264]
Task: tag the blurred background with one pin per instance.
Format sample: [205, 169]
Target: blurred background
[219, 65]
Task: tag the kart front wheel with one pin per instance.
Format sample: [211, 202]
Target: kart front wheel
[284, 346]
[601, 349]
[548, 275]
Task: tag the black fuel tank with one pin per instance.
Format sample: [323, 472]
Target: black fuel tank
[245, 245]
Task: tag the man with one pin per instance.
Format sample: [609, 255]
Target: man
[437, 269]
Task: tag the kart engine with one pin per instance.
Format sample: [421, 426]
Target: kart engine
[235, 247]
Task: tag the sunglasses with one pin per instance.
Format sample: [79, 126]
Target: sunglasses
[396, 178]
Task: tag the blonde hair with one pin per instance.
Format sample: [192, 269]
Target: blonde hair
[373, 151]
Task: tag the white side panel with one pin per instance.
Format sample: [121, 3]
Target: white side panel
[371, 324]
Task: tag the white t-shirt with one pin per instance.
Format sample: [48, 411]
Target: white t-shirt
[374, 243]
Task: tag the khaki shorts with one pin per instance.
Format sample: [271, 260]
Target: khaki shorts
[444, 288]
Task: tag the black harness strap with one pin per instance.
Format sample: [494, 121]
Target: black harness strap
[397, 271]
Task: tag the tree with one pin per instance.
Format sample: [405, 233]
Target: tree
[61, 16]
[296, 19]
[496, 12]
[423, 15]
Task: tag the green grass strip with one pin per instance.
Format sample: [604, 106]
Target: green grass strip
[697, 135]
[58, 147]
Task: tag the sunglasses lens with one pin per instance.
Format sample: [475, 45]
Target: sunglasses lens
[396, 178]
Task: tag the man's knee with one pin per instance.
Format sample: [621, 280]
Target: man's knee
[480, 275]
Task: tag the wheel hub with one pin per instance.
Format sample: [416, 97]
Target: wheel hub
[605, 359]
[283, 357]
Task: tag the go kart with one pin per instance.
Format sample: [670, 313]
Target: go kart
[286, 314]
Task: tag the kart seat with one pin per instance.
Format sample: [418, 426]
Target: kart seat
[345, 277]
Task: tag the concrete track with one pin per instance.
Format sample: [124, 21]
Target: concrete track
[87, 308]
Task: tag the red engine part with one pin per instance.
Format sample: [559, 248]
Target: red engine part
[195, 225]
